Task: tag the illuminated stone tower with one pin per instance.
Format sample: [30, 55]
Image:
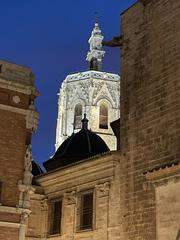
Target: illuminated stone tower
[18, 121]
[95, 92]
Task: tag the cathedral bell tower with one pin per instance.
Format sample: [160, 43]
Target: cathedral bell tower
[95, 92]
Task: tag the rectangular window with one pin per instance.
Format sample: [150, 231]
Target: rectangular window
[55, 217]
[86, 211]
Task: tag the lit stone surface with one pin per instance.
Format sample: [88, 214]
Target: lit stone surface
[168, 211]
[90, 89]
[100, 175]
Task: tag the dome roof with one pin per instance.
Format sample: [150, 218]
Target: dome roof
[78, 146]
[36, 169]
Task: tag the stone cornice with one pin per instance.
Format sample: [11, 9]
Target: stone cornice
[100, 164]
[18, 87]
[94, 75]
[9, 224]
[13, 109]
[164, 173]
[15, 210]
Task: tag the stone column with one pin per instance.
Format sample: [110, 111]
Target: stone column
[102, 210]
[69, 217]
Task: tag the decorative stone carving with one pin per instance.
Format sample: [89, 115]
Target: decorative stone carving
[16, 99]
[28, 166]
[32, 118]
[70, 197]
[147, 186]
[24, 185]
[88, 88]
[44, 204]
[103, 189]
[24, 217]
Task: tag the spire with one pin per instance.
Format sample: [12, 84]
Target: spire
[84, 122]
[96, 53]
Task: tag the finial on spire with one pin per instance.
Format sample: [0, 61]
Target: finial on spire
[84, 122]
[96, 53]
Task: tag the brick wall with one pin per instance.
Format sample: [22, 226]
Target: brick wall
[9, 233]
[150, 106]
[18, 120]
[12, 144]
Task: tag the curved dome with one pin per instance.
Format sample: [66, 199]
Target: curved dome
[36, 169]
[78, 146]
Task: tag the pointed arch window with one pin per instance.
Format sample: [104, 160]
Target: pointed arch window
[103, 116]
[77, 116]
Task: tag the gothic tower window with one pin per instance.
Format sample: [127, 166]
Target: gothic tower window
[77, 116]
[55, 216]
[86, 211]
[103, 116]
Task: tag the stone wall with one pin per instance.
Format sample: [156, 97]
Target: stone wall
[150, 106]
[100, 175]
[12, 144]
[168, 211]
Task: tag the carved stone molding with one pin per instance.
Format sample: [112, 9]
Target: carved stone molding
[164, 175]
[25, 187]
[103, 189]
[166, 181]
[44, 204]
[24, 217]
[28, 166]
[70, 197]
[147, 186]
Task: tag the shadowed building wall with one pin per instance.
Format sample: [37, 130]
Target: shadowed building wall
[150, 107]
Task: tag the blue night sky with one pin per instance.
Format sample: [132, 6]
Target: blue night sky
[51, 37]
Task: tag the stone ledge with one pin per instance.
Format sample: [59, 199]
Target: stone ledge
[15, 210]
[9, 224]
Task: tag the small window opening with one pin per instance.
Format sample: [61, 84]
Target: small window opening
[77, 116]
[103, 116]
[86, 211]
[55, 217]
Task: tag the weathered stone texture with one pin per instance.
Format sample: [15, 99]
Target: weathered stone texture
[101, 175]
[150, 106]
[168, 211]
[16, 73]
[9, 233]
